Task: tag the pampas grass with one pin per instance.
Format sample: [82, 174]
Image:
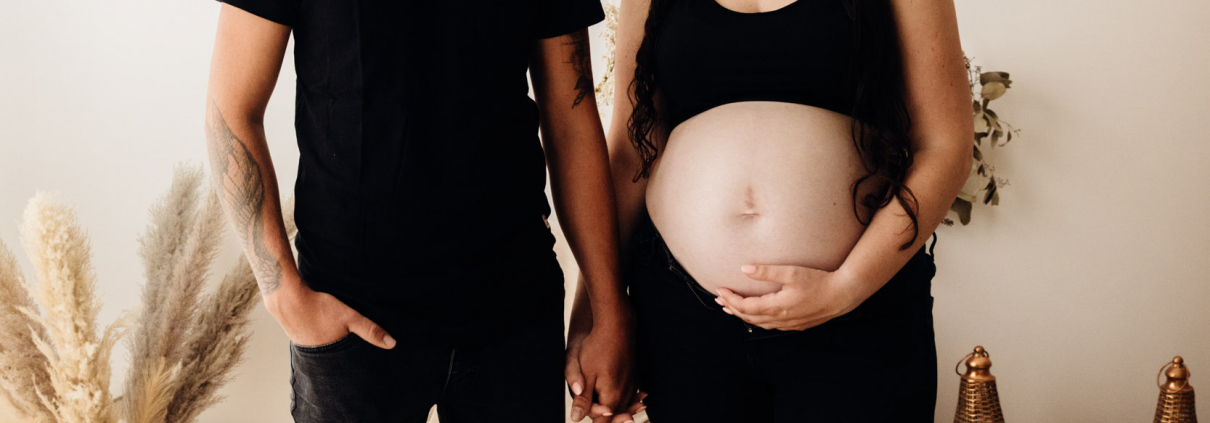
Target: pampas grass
[23, 370]
[184, 349]
[77, 355]
[54, 364]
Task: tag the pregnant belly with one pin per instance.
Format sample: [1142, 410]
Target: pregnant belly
[757, 183]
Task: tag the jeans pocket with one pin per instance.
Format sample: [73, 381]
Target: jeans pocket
[293, 391]
[348, 341]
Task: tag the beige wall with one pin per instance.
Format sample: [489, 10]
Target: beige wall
[1089, 276]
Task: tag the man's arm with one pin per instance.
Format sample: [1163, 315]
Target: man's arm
[248, 52]
[247, 57]
[583, 195]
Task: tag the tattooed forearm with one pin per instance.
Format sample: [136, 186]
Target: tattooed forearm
[582, 64]
[243, 194]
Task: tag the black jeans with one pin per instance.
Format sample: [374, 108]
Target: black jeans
[513, 378]
[877, 363]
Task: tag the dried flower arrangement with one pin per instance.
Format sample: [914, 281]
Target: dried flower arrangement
[54, 367]
[604, 89]
[985, 87]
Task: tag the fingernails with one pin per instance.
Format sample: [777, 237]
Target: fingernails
[747, 268]
[576, 388]
[727, 310]
[718, 300]
[607, 414]
[629, 421]
[577, 414]
[389, 341]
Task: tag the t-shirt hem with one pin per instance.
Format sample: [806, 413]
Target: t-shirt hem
[258, 9]
[586, 19]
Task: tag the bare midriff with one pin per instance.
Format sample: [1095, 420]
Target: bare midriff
[757, 183]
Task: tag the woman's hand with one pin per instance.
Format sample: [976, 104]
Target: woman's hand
[808, 298]
[313, 318]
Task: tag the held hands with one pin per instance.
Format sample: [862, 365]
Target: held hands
[598, 364]
[313, 318]
[808, 298]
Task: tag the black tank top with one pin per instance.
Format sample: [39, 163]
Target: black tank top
[709, 55]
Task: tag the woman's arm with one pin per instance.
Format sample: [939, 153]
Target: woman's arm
[938, 100]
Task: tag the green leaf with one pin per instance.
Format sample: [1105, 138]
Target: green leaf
[979, 157]
[993, 90]
[978, 108]
[1000, 77]
[991, 190]
[963, 209]
[996, 198]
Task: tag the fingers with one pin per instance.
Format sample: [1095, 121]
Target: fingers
[637, 406]
[608, 397]
[620, 414]
[622, 418]
[571, 372]
[371, 332]
[580, 407]
[762, 305]
[599, 411]
[773, 273]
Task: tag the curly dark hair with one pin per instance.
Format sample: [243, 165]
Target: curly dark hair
[880, 120]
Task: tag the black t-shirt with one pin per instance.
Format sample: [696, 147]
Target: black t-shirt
[420, 190]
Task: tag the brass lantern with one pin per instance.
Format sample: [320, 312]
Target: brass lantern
[978, 401]
[1176, 394]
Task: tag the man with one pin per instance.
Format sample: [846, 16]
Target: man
[425, 273]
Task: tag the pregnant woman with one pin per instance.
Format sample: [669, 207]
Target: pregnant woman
[779, 167]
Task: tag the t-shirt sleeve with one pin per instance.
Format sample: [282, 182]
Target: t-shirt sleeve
[284, 12]
[559, 17]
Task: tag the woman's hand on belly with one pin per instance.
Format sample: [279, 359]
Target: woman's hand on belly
[808, 298]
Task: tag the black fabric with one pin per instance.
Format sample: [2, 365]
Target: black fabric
[420, 186]
[708, 55]
[514, 379]
[877, 363]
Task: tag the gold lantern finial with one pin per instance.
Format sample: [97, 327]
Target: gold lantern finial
[1176, 394]
[978, 401]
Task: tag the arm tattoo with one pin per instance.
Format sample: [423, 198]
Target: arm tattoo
[583, 66]
[243, 190]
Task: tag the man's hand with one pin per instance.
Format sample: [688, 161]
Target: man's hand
[600, 372]
[315, 318]
[808, 298]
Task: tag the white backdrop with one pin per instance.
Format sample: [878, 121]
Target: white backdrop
[1089, 276]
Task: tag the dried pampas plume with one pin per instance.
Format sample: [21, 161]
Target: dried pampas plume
[184, 348]
[54, 365]
[76, 356]
[23, 370]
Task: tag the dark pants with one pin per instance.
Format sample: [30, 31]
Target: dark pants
[877, 363]
[514, 378]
